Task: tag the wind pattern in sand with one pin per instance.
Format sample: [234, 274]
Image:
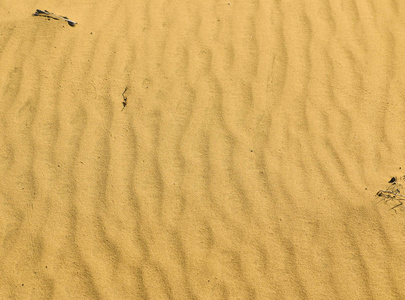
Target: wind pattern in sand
[244, 165]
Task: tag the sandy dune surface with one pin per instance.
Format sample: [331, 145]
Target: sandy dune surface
[244, 165]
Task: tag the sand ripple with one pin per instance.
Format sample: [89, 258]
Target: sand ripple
[243, 167]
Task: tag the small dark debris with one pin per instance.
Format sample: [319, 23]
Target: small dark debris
[124, 103]
[393, 179]
[49, 15]
[392, 194]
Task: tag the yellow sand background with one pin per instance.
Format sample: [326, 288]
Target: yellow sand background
[243, 167]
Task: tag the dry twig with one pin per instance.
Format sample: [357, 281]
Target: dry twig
[49, 15]
[124, 103]
[392, 194]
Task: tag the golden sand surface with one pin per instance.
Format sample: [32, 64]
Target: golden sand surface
[244, 166]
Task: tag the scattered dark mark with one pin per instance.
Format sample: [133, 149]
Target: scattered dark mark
[58, 166]
[251, 150]
[81, 162]
[22, 284]
[392, 194]
[49, 15]
[393, 179]
[91, 32]
[396, 207]
[46, 267]
[366, 189]
[208, 280]
[124, 103]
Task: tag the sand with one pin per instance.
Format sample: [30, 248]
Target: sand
[244, 165]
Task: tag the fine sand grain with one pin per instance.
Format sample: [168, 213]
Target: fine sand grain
[244, 165]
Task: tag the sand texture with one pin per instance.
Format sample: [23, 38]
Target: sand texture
[244, 165]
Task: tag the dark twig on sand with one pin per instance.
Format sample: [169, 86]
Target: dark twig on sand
[49, 15]
[392, 194]
[124, 103]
